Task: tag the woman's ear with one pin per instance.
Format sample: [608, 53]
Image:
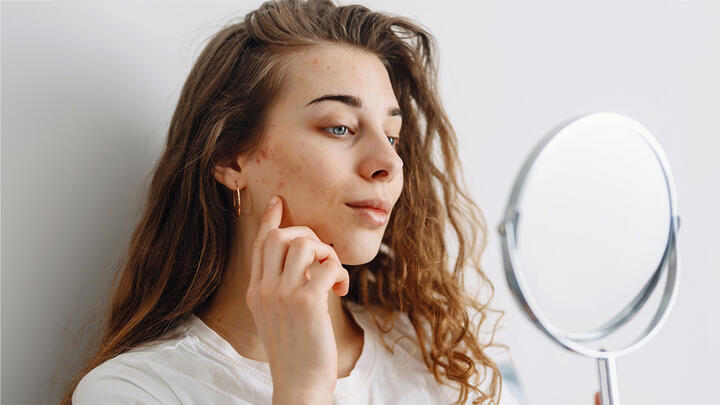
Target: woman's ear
[230, 173]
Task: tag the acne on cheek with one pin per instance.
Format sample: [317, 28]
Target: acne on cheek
[267, 154]
[297, 170]
[287, 173]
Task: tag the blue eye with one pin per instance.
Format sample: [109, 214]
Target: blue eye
[337, 126]
[393, 139]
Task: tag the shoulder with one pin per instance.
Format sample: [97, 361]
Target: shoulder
[404, 336]
[122, 380]
[129, 378]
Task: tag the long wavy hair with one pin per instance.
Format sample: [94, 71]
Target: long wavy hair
[178, 250]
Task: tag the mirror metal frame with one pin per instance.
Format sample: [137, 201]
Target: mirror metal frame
[508, 227]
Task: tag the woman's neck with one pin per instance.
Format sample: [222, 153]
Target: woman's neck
[229, 316]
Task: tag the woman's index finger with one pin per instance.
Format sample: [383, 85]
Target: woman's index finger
[270, 220]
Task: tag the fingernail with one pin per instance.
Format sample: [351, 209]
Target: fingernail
[272, 203]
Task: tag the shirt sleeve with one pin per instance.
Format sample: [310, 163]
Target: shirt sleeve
[121, 384]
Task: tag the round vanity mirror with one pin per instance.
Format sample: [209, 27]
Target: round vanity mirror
[589, 239]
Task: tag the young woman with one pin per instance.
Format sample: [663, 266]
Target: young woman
[295, 245]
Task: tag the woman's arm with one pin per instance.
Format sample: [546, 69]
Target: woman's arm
[121, 384]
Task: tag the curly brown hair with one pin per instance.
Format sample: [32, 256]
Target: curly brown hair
[178, 250]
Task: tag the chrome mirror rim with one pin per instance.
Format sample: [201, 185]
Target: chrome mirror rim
[507, 229]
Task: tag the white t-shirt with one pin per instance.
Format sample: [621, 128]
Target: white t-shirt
[198, 366]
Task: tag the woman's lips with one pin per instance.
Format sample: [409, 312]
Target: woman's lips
[372, 215]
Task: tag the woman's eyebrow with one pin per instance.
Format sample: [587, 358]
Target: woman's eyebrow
[352, 101]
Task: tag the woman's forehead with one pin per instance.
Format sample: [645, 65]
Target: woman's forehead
[336, 69]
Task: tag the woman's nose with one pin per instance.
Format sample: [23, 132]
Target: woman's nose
[380, 160]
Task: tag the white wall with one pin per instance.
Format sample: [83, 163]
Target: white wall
[88, 89]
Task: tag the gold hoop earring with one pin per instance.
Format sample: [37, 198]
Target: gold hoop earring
[236, 201]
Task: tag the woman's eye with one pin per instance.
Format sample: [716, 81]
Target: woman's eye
[341, 132]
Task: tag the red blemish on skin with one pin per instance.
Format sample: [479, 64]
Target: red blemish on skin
[263, 153]
[281, 184]
[257, 160]
[314, 61]
[273, 125]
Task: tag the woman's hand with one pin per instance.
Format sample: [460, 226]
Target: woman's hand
[291, 275]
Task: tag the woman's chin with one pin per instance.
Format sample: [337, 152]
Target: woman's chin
[354, 256]
[356, 262]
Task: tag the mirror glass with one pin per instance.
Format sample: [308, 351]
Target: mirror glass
[593, 222]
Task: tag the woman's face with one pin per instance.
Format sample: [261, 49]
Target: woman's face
[320, 155]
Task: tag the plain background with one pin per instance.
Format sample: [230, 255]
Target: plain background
[88, 88]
